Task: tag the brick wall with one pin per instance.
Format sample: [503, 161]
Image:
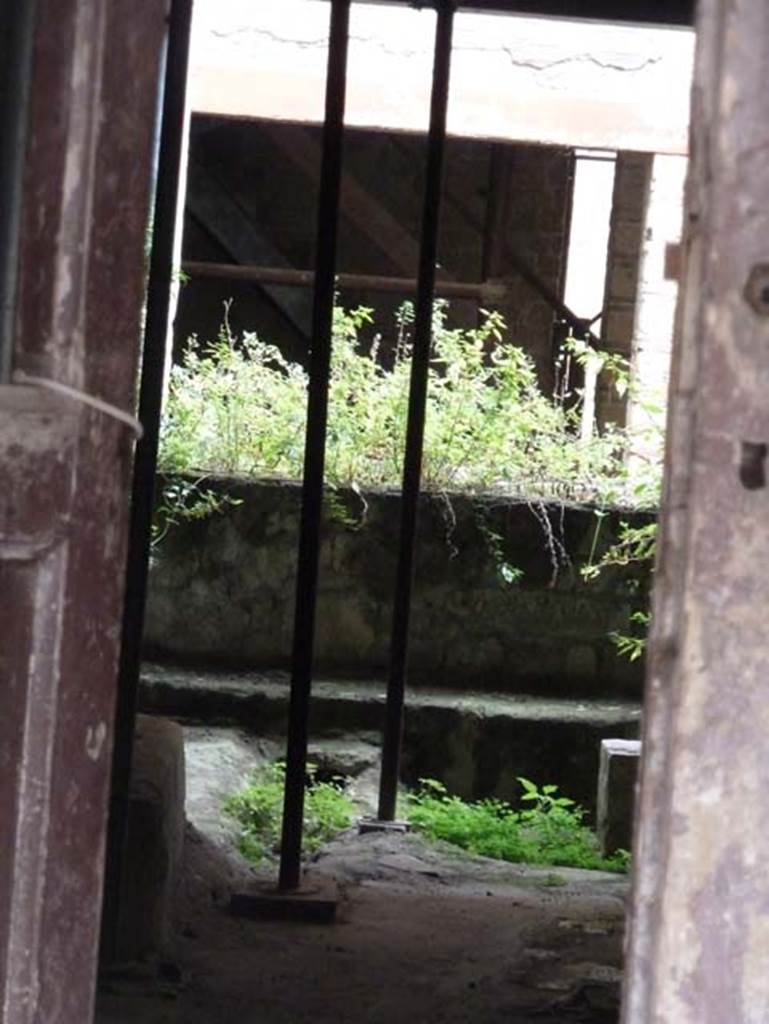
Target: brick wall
[532, 195]
[628, 220]
[655, 314]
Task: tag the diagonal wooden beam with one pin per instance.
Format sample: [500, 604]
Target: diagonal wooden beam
[518, 264]
[366, 212]
[211, 204]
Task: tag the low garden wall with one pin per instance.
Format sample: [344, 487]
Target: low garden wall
[499, 602]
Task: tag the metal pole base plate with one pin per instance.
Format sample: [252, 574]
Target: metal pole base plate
[378, 825]
[314, 901]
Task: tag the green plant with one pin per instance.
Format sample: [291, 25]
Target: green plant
[549, 832]
[587, 569]
[185, 500]
[585, 355]
[629, 645]
[509, 574]
[337, 510]
[237, 406]
[258, 810]
[635, 546]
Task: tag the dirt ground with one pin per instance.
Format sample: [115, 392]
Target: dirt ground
[423, 933]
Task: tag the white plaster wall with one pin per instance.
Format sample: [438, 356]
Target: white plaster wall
[514, 78]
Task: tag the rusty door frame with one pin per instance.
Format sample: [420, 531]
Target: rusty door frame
[65, 468]
[698, 930]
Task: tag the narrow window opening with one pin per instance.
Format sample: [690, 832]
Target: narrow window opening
[589, 235]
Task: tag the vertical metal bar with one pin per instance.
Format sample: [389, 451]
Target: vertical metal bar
[145, 464]
[412, 469]
[17, 23]
[315, 447]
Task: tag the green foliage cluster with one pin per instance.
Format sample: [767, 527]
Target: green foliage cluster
[635, 546]
[258, 810]
[237, 406]
[548, 831]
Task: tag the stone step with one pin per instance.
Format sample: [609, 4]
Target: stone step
[476, 743]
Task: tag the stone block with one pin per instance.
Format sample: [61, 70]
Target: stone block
[617, 776]
[155, 837]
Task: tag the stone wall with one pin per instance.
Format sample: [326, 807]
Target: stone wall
[222, 590]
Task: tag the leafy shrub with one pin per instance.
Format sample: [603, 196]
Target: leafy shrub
[549, 832]
[258, 809]
[237, 406]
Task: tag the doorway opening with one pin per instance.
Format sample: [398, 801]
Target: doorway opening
[514, 218]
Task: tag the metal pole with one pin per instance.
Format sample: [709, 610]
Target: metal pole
[145, 462]
[412, 469]
[479, 291]
[315, 445]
